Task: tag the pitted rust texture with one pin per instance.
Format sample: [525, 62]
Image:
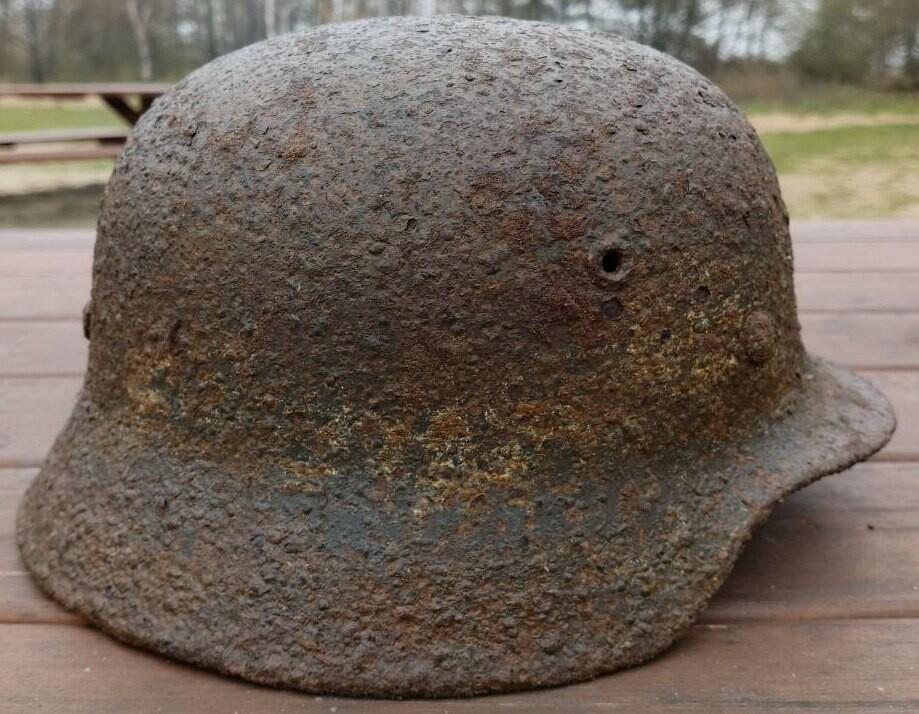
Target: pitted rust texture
[434, 357]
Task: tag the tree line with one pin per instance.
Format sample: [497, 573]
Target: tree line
[866, 42]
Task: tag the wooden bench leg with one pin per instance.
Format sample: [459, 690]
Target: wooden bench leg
[122, 108]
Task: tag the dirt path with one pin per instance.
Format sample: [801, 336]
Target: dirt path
[31, 178]
[801, 124]
[73, 207]
[857, 192]
[64, 195]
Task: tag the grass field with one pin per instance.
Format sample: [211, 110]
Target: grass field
[849, 171]
[826, 101]
[19, 179]
[842, 152]
[22, 115]
[839, 154]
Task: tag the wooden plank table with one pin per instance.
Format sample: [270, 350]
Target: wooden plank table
[821, 613]
[106, 143]
[117, 95]
[127, 99]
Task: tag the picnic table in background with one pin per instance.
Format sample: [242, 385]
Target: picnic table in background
[127, 99]
[821, 613]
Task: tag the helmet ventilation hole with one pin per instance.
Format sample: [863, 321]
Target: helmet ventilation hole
[611, 261]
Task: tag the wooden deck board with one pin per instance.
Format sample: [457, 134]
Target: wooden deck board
[23, 603]
[833, 666]
[42, 239]
[873, 232]
[35, 286]
[845, 547]
[33, 411]
[10, 562]
[57, 136]
[42, 349]
[857, 231]
[78, 90]
[15, 480]
[870, 341]
[28, 156]
[821, 612]
[857, 257]
[858, 292]
[885, 341]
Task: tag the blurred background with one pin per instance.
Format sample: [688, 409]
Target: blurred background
[831, 85]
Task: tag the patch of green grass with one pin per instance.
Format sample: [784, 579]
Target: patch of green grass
[835, 172]
[16, 116]
[848, 172]
[828, 102]
[846, 146]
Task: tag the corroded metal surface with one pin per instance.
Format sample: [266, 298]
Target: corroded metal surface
[434, 357]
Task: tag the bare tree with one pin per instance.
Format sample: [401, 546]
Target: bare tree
[862, 41]
[6, 34]
[139, 15]
[271, 17]
[859, 41]
[210, 25]
[35, 39]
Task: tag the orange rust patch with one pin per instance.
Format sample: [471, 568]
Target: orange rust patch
[632, 503]
[448, 424]
[567, 226]
[518, 230]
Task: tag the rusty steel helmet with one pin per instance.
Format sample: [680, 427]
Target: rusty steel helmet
[434, 357]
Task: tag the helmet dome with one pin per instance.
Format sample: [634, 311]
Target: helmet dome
[434, 357]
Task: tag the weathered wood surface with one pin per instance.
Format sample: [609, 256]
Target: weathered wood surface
[47, 296]
[865, 519]
[78, 90]
[820, 614]
[106, 135]
[129, 100]
[885, 342]
[28, 156]
[52, 283]
[33, 410]
[829, 666]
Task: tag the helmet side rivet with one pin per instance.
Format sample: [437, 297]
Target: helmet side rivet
[759, 337]
[87, 319]
[612, 308]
